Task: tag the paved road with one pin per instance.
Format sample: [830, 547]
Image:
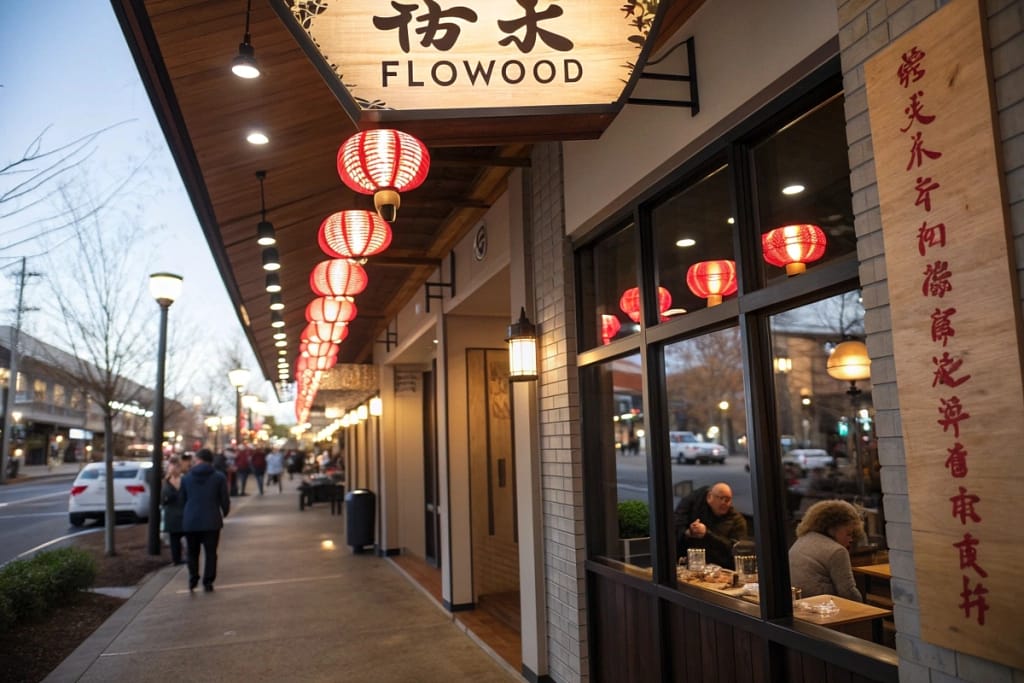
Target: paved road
[632, 479]
[33, 514]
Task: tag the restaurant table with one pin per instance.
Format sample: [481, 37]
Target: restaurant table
[856, 618]
[873, 580]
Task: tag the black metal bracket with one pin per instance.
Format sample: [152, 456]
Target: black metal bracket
[431, 287]
[690, 77]
[390, 337]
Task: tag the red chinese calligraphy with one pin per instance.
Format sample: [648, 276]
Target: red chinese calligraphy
[918, 152]
[963, 506]
[956, 463]
[952, 414]
[936, 279]
[924, 188]
[910, 70]
[978, 593]
[942, 326]
[969, 553]
[915, 112]
[930, 236]
[944, 369]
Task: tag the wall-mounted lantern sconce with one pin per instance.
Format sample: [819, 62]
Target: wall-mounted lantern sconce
[376, 406]
[362, 412]
[522, 349]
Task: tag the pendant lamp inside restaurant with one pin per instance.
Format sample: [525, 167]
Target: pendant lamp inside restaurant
[712, 280]
[793, 246]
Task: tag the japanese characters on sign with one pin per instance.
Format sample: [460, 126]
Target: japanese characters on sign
[957, 361]
[466, 54]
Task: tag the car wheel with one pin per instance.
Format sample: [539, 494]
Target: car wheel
[76, 520]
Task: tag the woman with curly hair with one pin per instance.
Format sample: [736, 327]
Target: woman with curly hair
[819, 560]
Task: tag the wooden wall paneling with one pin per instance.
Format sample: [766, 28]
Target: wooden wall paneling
[834, 674]
[726, 652]
[694, 653]
[709, 649]
[794, 672]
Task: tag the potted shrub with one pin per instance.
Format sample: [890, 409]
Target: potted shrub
[634, 530]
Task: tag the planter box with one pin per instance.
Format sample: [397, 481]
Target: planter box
[636, 550]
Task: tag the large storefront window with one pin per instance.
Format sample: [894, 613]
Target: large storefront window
[609, 282]
[692, 227]
[746, 430]
[803, 178]
[619, 462]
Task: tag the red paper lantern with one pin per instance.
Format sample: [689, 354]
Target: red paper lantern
[354, 234]
[383, 162]
[610, 327]
[331, 309]
[629, 303]
[318, 349]
[712, 280]
[337, 277]
[793, 246]
[324, 332]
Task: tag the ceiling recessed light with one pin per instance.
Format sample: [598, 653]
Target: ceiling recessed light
[793, 189]
[280, 335]
[281, 343]
[730, 220]
[256, 137]
[686, 242]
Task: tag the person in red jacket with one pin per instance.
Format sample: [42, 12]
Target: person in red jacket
[243, 468]
[258, 463]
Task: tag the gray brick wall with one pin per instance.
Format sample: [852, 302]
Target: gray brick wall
[865, 27]
[561, 469]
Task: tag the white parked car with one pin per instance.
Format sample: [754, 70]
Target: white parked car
[808, 459]
[88, 497]
[687, 448]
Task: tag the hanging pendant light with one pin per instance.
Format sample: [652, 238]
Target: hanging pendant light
[265, 234]
[383, 162]
[793, 246]
[629, 303]
[712, 280]
[337, 277]
[610, 327]
[331, 309]
[271, 259]
[354, 235]
[313, 349]
[244, 65]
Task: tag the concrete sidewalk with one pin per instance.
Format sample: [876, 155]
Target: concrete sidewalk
[292, 603]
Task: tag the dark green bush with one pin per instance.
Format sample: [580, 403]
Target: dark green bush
[634, 519]
[30, 588]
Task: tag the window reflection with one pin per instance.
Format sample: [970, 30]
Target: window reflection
[617, 405]
[609, 289]
[828, 451]
[803, 178]
[712, 501]
[693, 226]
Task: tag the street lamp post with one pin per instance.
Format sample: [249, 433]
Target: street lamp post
[165, 288]
[238, 377]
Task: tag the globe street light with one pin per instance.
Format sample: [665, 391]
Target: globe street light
[165, 288]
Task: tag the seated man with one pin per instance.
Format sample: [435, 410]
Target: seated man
[706, 519]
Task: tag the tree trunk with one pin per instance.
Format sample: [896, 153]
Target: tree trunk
[109, 518]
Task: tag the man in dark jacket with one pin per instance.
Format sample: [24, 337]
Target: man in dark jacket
[706, 519]
[204, 492]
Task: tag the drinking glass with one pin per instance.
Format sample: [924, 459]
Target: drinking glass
[695, 559]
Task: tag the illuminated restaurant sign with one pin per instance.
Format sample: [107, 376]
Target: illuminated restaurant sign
[956, 329]
[448, 58]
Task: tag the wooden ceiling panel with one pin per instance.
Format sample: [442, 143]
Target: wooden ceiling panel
[183, 49]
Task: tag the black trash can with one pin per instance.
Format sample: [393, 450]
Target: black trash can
[360, 511]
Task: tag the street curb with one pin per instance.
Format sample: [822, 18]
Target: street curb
[83, 657]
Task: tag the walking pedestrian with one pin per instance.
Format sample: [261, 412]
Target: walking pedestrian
[204, 491]
[258, 463]
[173, 509]
[275, 468]
[243, 468]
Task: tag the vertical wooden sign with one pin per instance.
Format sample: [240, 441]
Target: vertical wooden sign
[956, 329]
